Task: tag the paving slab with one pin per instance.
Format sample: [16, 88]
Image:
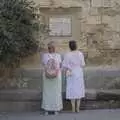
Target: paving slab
[111, 114]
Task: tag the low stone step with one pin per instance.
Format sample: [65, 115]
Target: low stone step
[34, 106]
[95, 77]
[30, 100]
[35, 94]
[91, 105]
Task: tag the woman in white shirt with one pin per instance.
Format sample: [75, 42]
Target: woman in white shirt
[73, 64]
[52, 87]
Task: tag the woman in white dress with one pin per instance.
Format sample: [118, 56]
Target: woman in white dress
[73, 63]
[52, 87]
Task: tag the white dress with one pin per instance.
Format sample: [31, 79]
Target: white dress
[52, 88]
[75, 88]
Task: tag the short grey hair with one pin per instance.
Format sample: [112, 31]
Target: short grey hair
[51, 44]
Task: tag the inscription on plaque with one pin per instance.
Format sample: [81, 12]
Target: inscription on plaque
[60, 26]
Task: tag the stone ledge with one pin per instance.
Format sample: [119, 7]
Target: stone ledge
[35, 95]
[107, 95]
[26, 100]
[20, 95]
[95, 71]
[95, 77]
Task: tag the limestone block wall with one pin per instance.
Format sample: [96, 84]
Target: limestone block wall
[99, 34]
[100, 26]
[98, 37]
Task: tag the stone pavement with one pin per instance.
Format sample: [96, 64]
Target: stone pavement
[83, 115]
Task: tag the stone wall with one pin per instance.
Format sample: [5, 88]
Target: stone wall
[100, 23]
[98, 37]
[99, 33]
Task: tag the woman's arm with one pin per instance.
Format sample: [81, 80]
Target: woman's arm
[82, 59]
[44, 59]
[60, 60]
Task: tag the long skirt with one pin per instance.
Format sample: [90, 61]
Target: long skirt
[52, 94]
[75, 88]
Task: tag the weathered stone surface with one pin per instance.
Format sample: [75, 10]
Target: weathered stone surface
[95, 78]
[95, 25]
[106, 19]
[102, 3]
[96, 3]
[19, 106]
[93, 20]
[93, 11]
[31, 102]
[58, 3]
[107, 3]
[102, 83]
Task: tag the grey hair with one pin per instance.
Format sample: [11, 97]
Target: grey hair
[51, 44]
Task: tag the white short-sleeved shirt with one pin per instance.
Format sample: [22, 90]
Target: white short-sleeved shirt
[73, 59]
[48, 56]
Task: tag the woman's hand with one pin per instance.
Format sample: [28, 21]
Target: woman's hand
[68, 73]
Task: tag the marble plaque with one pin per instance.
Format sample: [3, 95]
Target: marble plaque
[60, 26]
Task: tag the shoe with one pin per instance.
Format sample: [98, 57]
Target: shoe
[73, 110]
[46, 113]
[56, 113]
[77, 110]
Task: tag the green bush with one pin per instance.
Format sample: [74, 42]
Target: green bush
[16, 31]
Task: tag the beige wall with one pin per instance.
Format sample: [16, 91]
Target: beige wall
[75, 22]
[96, 26]
[62, 42]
